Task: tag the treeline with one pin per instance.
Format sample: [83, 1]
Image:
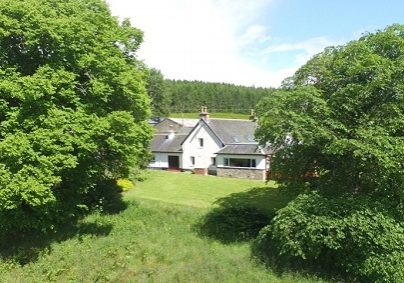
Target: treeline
[189, 96]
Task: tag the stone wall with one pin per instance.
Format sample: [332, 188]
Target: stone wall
[200, 171]
[244, 173]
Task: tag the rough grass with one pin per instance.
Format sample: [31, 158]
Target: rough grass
[153, 240]
[195, 115]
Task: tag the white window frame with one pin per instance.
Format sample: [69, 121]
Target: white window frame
[227, 162]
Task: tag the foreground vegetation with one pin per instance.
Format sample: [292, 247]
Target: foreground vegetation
[73, 110]
[150, 241]
[343, 112]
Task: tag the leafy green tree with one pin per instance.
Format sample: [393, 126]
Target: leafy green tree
[156, 90]
[73, 106]
[339, 126]
[344, 111]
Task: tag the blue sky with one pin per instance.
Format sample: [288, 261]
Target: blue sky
[294, 20]
[247, 42]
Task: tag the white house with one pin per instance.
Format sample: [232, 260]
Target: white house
[223, 147]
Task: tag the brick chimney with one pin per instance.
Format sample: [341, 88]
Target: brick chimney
[253, 116]
[204, 113]
[171, 133]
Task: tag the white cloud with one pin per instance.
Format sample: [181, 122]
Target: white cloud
[306, 48]
[311, 45]
[200, 40]
[255, 33]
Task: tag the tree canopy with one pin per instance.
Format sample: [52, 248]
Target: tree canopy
[339, 126]
[344, 110]
[189, 96]
[73, 106]
[156, 88]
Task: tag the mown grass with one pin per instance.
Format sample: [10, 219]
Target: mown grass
[195, 115]
[155, 239]
[194, 190]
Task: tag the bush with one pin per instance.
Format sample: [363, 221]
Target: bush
[233, 223]
[125, 184]
[350, 236]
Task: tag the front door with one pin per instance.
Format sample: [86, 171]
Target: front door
[173, 162]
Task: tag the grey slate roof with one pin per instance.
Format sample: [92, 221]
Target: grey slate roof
[251, 149]
[177, 125]
[237, 136]
[160, 143]
[233, 131]
[186, 122]
[178, 128]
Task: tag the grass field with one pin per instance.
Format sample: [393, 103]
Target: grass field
[195, 115]
[154, 239]
[201, 191]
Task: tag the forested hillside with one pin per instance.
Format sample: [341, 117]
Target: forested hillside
[188, 96]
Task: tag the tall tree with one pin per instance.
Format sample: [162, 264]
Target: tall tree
[156, 90]
[73, 106]
[344, 110]
[339, 124]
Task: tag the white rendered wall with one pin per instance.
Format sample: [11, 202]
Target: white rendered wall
[161, 159]
[203, 155]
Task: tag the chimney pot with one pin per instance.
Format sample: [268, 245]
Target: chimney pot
[253, 116]
[204, 113]
[170, 135]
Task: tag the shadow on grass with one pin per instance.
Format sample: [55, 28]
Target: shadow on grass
[240, 216]
[26, 248]
[106, 198]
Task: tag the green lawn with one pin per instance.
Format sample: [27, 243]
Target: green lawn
[195, 115]
[193, 190]
[155, 239]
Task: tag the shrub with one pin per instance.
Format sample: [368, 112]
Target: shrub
[125, 184]
[233, 223]
[351, 236]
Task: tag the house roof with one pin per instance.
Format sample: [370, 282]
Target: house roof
[179, 126]
[237, 136]
[243, 148]
[185, 121]
[161, 143]
[232, 130]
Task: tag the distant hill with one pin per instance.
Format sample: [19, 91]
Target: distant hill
[189, 96]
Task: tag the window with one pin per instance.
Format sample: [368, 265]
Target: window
[213, 159]
[200, 142]
[253, 163]
[240, 162]
[192, 160]
[153, 158]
